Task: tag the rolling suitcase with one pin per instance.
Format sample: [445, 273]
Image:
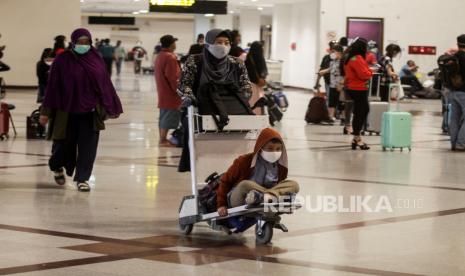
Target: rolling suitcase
[396, 129]
[377, 108]
[4, 121]
[317, 111]
[375, 117]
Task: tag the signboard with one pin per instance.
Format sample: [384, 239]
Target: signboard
[197, 7]
[180, 3]
[372, 29]
[422, 50]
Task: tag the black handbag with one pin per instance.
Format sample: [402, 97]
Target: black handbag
[222, 99]
[34, 130]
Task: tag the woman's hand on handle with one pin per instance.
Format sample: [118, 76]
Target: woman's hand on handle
[43, 120]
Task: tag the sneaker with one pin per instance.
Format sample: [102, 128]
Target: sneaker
[59, 176]
[83, 186]
[253, 197]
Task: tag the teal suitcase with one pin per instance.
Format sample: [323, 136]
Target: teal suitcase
[396, 130]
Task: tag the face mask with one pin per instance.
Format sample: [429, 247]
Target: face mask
[219, 51]
[271, 156]
[49, 63]
[333, 56]
[81, 49]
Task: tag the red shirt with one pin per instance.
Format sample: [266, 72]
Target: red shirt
[371, 59]
[357, 74]
[167, 73]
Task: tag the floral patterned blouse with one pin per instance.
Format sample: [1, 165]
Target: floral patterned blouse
[191, 77]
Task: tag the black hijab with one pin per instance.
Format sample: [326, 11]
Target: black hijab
[256, 60]
[213, 69]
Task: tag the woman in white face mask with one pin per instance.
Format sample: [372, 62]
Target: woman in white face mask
[213, 64]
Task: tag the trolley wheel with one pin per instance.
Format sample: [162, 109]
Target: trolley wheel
[186, 229]
[4, 137]
[378, 133]
[384, 148]
[409, 149]
[265, 234]
[401, 149]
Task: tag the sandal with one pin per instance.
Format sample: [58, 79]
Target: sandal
[59, 176]
[83, 186]
[360, 145]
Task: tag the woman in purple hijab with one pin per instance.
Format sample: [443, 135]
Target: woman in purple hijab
[79, 98]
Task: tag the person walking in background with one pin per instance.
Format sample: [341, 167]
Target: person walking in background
[388, 74]
[357, 75]
[139, 54]
[108, 54]
[79, 98]
[60, 45]
[167, 73]
[258, 71]
[236, 50]
[120, 55]
[42, 71]
[195, 49]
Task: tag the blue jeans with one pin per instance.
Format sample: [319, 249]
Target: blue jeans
[456, 127]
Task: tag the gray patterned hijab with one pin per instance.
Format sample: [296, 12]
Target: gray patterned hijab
[213, 69]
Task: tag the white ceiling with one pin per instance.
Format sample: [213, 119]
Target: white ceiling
[129, 6]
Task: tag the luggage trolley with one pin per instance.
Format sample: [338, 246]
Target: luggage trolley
[215, 149]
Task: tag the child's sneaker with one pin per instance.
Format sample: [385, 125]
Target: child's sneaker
[253, 197]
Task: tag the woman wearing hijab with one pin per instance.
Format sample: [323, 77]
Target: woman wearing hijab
[78, 98]
[213, 65]
[256, 67]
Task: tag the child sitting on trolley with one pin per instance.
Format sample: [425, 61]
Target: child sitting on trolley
[257, 177]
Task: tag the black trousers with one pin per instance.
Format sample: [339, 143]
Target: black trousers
[361, 109]
[109, 64]
[384, 93]
[79, 150]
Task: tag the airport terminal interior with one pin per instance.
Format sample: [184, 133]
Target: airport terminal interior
[397, 208]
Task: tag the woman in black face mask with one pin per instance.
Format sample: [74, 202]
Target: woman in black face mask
[213, 65]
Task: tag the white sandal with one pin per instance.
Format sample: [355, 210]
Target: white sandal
[83, 187]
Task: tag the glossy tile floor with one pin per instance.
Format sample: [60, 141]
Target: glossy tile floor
[127, 225]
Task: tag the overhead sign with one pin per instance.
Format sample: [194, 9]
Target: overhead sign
[422, 50]
[197, 7]
[178, 3]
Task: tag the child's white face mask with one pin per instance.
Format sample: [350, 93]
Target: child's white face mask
[271, 156]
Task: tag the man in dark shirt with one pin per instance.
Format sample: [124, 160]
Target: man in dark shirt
[108, 54]
[195, 49]
[457, 101]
